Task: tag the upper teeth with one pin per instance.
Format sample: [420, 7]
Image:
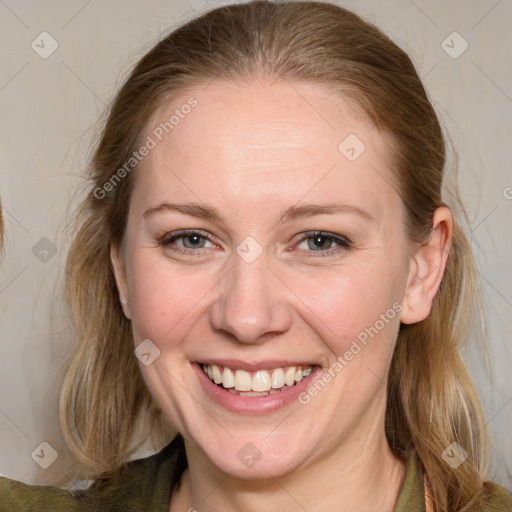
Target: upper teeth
[259, 381]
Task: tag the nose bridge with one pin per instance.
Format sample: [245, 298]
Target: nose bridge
[251, 301]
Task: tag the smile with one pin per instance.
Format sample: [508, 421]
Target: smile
[256, 383]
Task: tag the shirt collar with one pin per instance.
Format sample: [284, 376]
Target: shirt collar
[412, 493]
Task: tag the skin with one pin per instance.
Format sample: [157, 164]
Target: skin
[251, 151]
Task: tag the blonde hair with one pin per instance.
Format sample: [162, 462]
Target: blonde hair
[431, 399]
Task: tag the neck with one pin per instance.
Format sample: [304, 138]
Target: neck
[362, 476]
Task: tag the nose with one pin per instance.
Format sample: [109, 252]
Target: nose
[251, 305]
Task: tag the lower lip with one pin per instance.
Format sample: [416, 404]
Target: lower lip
[252, 404]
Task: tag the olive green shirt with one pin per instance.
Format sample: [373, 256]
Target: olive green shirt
[145, 485]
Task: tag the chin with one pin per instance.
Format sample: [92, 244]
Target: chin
[252, 450]
[247, 458]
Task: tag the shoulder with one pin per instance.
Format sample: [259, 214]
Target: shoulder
[500, 500]
[412, 495]
[140, 485]
[22, 497]
[143, 484]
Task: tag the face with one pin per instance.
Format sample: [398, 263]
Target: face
[266, 248]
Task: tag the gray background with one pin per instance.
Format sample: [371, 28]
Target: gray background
[50, 108]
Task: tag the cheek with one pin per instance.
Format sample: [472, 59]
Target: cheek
[165, 300]
[353, 304]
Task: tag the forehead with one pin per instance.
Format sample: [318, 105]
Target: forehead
[264, 141]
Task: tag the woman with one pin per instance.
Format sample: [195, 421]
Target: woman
[265, 228]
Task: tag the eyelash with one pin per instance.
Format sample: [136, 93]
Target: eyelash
[343, 242]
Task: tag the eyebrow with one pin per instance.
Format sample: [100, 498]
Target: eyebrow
[291, 214]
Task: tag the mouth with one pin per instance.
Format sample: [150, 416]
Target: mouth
[259, 383]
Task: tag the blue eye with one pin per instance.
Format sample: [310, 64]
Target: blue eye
[190, 240]
[193, 241]
[320, 242]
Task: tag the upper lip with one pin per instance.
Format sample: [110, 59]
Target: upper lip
[254, 365]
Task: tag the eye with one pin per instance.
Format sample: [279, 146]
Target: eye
[321, 242]
[186, 241]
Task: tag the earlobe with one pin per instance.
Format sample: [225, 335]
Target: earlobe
[428, 264]
[120, 276]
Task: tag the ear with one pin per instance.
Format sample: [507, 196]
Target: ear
[120, 275]
[427, 268]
